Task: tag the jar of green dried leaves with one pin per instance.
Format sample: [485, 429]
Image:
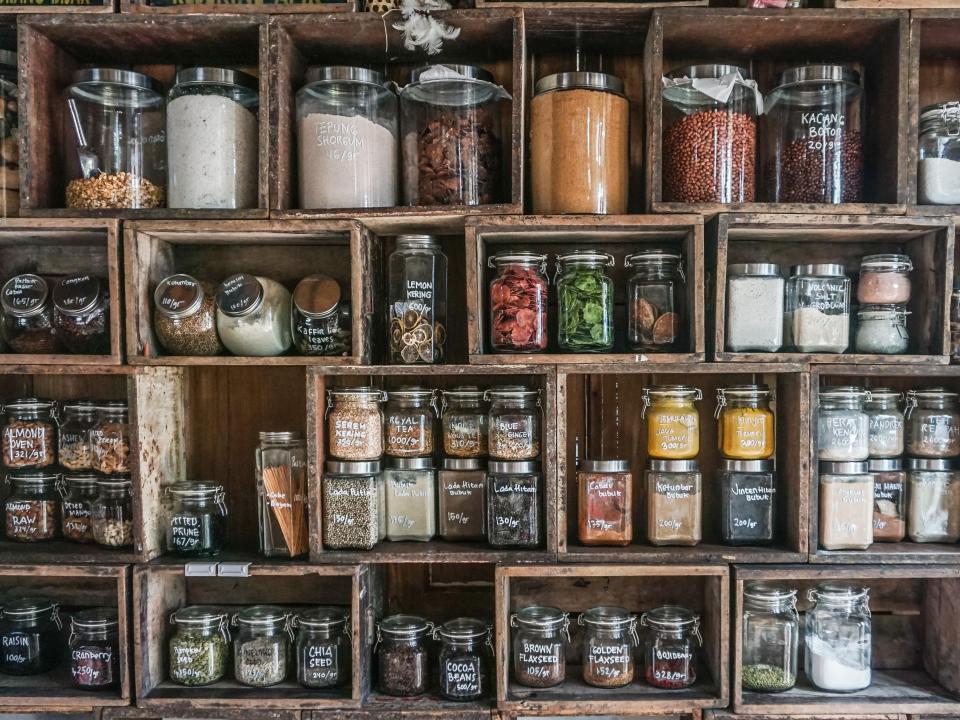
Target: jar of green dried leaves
[584, 301]
[199, 646]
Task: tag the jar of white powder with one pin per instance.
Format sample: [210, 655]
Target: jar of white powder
[754, 307]
[938, 168]
[253, 316]
[347, 130]
[817, 316]
[212, 139]
[882, 329]
[838, 637]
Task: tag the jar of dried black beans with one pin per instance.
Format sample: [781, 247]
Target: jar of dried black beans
[95, 649]
[540, 639]
[403, 656]
[466, 655]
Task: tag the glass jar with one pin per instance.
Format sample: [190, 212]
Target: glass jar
[608, 643]
[539, 646]
[843, 427]
[110, 438]
[199, 645]
[514, 423]
[748, 502]
[403, 655]
[673, 423]
[518, 302]
[513, 504]
[75, 450]
[846, 506]
[884, 279]
[324, 649]
[771, 630]
[933, 513]
[27, 309]
[95, 649]
[932, 420]
[282, 495]
[939, 154]
[78, 491]
[671, 647]
[9, 134]
[410, 490]
[584, 302]
[710, 139]
[261, 648]
[656, 301]
[464, 422]
[30, 642]
[417, 301]
[81, 314]
[882, 330]
[212, 139]
[814, 146]
[450, 119]
[886, 423]
[955, 322]
[185, 316]
[322, 322]
[580, 144]
[253, 316]
[817, 314]
[32, 508]
[408, 422]
[353, 505]
[111, 514]
[746, 426]
[463, 499]
[29, 434]
[114, 141]
[355, 423]
[466, 659]
[755, 307]
[674, 503]
[889, 498]
[605, 502]
[837, 637]
[198, 519]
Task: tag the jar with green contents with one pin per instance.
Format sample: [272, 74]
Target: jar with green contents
[584, 301]
[199, 646]
[771, 630]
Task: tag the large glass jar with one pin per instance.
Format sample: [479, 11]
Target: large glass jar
[322, 322]
[282, 495]
[261, 647]
[353, 505]
[671, 647]
[410, 492]
[656, 301]
[674, 502]
[771, 631]
[673, 422]
[710, 140]
[212, 139]
[932, 423]
[452, 153]
[518, 302]
[886, 423]
[29, 434]
[403, 655]
[513, 504]
[837, 638]
[110, 438]
[185, 316]
[846, 506]
[408, 422]
[253, 316]
[111, 514]
[9, 135]
[114, 140]
[81, 314]
[78, 490]
[933, 513]
[755, 306]
[463, 499]
[608, 646]
[539, 646]
[514, 424]
[27, 310]
[882, 330]
[884, 279]
[814, 146]
[580, 144]
[465, 660]
[746, 426]
[95, 649]
[817, 315]
[75, 451]
[417, 301]
[199, 647]
[843, 427]
[32, 508]
[748, 502]
[938, 169]
[955, 322]
[584, 302]
[30, 642]
[323, 648]
[889, 499]
[197, 520]
[355, 423]
[605, 502]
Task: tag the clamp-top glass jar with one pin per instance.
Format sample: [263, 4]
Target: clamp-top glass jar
[939, 154]
[29, 434]
[514, 424]
[197, 521]
[608, 645]
[408, 422]
[199, 646]
[75, 451]
[884, 279]
[78, 490]
[355, 423]
[843, 427]
[111, 514]
[539, 647]
[771, 630]
[403, 655]
[261, 648]
[656, 301]
[837, 638]
[95, 649]
[110, 438]
[817, 314]
[932, 423]
[27, 311]
[673, 422]
[466, 658]
[324, 653]
[886, 423]
[584, 302]
[81, 314]
[282, 494]
[29, 636]
[32, 509]
[417, 301]
[518, 302]
[671, 647]
[746, 428]
[882, 330]
[464, 422]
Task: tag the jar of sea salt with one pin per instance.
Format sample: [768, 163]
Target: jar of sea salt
[253, 316]
[886, 423]
[882, 330]
[837, 638]
[884, 279]
[938, 169]
[843, 428]
[817, 314]
[754, 307]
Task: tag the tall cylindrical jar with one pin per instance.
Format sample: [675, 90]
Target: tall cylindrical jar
[771, 630]
[938, 167]
[584, 302]
[837, 638]
[843, 427]
[253, 316]
[282, 494]
[417, 301]
[518, 302]
[656, 301]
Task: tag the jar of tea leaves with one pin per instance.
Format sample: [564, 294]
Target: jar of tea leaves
[408, 422]
[185, 316]
[464, 422]
[321, 317]
[514, 424]
[403, 656]
[199, 646]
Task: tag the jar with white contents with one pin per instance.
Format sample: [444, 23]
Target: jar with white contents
[843, 428]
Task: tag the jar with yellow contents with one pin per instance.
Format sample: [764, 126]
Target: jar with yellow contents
[673, 423]
[745, 423]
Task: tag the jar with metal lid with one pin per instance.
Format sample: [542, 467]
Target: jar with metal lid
[111, 514]
[710, 134]
[9, 135]
[673, 422]
[110, 438]
[282, 494]
[605, 502]
[886, 423]
[261, 647]
[938, 166]
[746, 426]
[889, 499]
[843, 427]
[933, 511]
[671, 647]
[408, 422]
[674, 502]
[580, 144]
[321, 317]
[608, 645]
[846, 505]
[355, 423]
[30, 642]
[463, 499]
[656, 301]
[932, 420]
[353, 512]
[755, 307]
[81, 314]
[29, 434]
[464, 422]
[78, 491]
[584, 302]
[882, 330]
[253, 316]
[417, 301]
[539, 646]
[518, 302]
[465, 660]
[817, 315]
[514, 423]
[452, 151]
[814, 145]
[838, 637]
[323, 647]
[32, 507]
[74, 448]
[514, 502]
[27, 311]
[884, 279]
[114, 141]
[769, 640]
[773, 4]
[403, 655]
[185, 316]
[197, 519]
[748, 502]
[95, 649]
[199, 647]
[410, 491]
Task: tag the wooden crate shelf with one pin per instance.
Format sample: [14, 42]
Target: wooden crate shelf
[727, 715]
[244, 7]
[81, 7]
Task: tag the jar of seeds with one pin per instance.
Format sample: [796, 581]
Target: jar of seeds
[32, 508]
[323, 649]
[78, 490]
[514, 423]
[404, 668]
[353, 505]
[464, 422]
[111, 514]
[540, 638]
[513, 504]
[110, 438]
[409, 422]
[81, 314]
[609, 642]
[355, 424]
[261, 648]
[75, 451]
[199, 645]
[185, 316]
[29, 434]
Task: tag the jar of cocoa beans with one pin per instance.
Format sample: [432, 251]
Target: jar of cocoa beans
[355, 423]
[656, 298]
[408, 422]
[29, 434]
[32, 508]
[464, 422]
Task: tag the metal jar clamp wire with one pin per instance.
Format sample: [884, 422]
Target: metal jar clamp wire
[749, 391]
[677, 390]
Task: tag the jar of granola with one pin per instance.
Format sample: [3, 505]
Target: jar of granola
[78, 490]
[75, 451]
[409, 422]
[29, 434]
[355, 423]
[464, 422]
[110, 438]
[514, 423]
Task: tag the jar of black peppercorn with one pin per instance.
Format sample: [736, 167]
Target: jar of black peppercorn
[324, 654]
[403, 656]
[540, 646]
[29, 434]
[513, 504]
[32, 508]
[95, 649]
[29, 636]
[28, 315]
[81, 314]
[466, 655]
[671, 647]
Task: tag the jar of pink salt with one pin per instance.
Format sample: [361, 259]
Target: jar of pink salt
[884, 279]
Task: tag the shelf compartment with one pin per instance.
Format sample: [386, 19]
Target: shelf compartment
[244, 7]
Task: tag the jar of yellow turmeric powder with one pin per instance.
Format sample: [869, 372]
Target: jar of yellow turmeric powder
[745, 423]
[673, 423]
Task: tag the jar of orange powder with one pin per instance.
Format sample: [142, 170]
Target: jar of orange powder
[745, 423]
[673, 423]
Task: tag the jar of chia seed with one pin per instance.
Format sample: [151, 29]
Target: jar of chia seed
[199, 648]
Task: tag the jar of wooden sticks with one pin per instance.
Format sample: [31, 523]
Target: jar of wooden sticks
[282, 491]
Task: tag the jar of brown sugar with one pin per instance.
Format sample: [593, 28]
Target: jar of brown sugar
[408, 423]
[932, 423]
[464, 421]
[884, 279]
[846, 505]
[355, 423]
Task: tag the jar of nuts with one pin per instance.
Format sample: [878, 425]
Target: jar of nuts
[110, 438]
[514, 423]
[78, 419]
[409, 422]
[29, 434]
[78, 490]
[32, 508]
[111, 514]
[355, 423]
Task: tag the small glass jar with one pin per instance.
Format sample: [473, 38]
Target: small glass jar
[353, 505]
[410, 491]
[408, 422]
[771, 630]
[837, 638]
[197, 521]
[185, 316]
[673, 422]
[32, 508]
[584, 302]
[463, 500]
[355, 423]
[78, 491]
[539, 646]
[95, 649]
[817, 314]
[608, 644]
[403, 655]
[674, 502]
[75, 451]
[466, 659]
[30, 642]
[955, 322]
[748, 502]
[886, 423]
[253, 316]
[843, 427]
[322, 322]
[514, 423]
[755, 307]
[417, 301]
[111, 514]
[884, 279]
[110, 438]
[656, 301]
[513, 504]
[199, 649]
[282, 494]
[889, 499]
[939, 154]
[932, 420]
[81, 314]
[882, 330]
[933, 513]
[28, 313]
[29, 434]
[846, 506]
[605, 502]
[323, 647]
[261, 647]
[464, 422]
[518, 302]
[671, 647]
[212, 139]
[746, 426]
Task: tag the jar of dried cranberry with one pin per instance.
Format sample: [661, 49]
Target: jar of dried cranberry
[670, 647]
[518, 302]
[95, 649]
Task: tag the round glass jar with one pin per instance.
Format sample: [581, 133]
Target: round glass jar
[846, 505]
[81, 314]
[886, 423]
[932, 420]
[656, 301]
[199, 646]
[323, 647]
[673, 422]
[462, 509]
[9, 134]
[837, 638]
[28, 314]
[539, 646]
[403, 655]
[253, 316]
[354, 514]
[110, 438]
[933, 508]
[671, 646]
[282, 494]
[29, 434]
[261, 646]
[465, 659]
[817, 314]
[408, 422]
[197, 519]
[771, 630]
[843, 427]
[410, 496]
[882, 330]
[748, 499]
[584, 302]
[417, 301]
[355, 423]
[889, 499]
[938, 167]
[674, 502]
[111, 514]
[755, 307]
[746, 426]
[518, 302]
[464, 422]
[884, 279]
[95, 649]
[185, 316]
[605, 502]
[74, 448]
[514, 423]
[30, 642]
[321, 318]
[514, 492]
[78, 491]
[32, 508]
[608, 643]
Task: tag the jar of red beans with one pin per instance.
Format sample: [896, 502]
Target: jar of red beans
[518, 302]
[884, 279]
[670, 647]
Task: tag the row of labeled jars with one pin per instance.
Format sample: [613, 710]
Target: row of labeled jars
[811, 312]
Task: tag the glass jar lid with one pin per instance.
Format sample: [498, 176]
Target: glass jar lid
[652, 256]
[540, 617]
[845, 467]
[896, 311]
[81, 481]
[806, 85]
[844, 392]
[195, 490]
[671, 617]
[29, 608]
[80, 407]
[932, 464]
[606, 616]
[510, 392]
[116, 88]
[833, 591]
[417, 242]
[240, 294]
[672, 466]
[34, 479]
[518, 257]
[317, 296]
[767, 592]
[818, 270]
[885, 464]
[747, 466]
[77, 294]
[464, 393]
[933, 398]
[261, 616]
[672, 391]
[406, 627]
[345, 467]
[744, 391]
[452, 85]
[943, 116]
[344, 73]
[888, 262]
[215, 76]
[513, 467]
[753, 270]
[463, 629]
[115, 483]
[884, 394]
[114, 407]
[203, 615]
[411, 393]
[416, 463]
[94, 619]
[579, 80]
[178, 296]
[29, 405]
[362, 394]
[463, 464]
[322, 618]
[590, 258]
[280, 436]
[612, 465]
[25, 296]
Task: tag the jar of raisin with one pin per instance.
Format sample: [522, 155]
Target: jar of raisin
[518, 302]
[29, 434]
[464, 422]
[408, 422]
[671, 646]
[29, 636]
